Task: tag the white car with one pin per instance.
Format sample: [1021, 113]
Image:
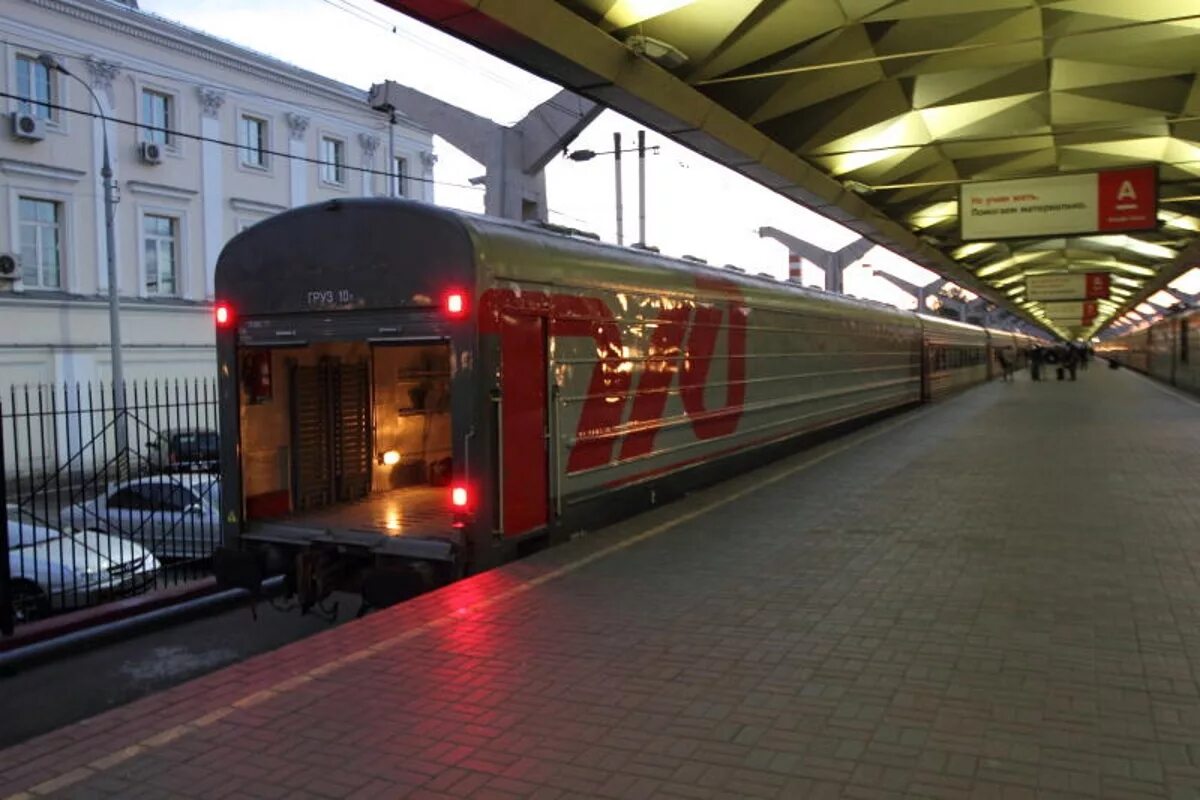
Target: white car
[55, 570]
[175, 516]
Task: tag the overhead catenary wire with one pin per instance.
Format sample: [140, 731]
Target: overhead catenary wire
[169, 76]
[273, 153]
[226, 143]
[932, 51]
[374, 19]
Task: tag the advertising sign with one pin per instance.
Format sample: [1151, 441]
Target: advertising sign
[1068, 286]
[1090, 202]
[1072, 313]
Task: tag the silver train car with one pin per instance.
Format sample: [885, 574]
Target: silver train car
[1163, 349]
[404, 383]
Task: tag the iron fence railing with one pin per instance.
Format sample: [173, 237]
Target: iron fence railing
[101, 502]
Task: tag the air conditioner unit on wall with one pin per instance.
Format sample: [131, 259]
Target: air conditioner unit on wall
[151, 152]
[8, 267]
[28, 127]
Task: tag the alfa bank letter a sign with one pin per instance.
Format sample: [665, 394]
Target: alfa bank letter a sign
[1092, 202]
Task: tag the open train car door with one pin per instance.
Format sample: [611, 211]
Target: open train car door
[330, 434]
[522, 405]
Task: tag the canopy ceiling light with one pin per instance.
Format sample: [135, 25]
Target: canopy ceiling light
[665, 55]
[1163, 299]
[1188, 282]
[625, 13]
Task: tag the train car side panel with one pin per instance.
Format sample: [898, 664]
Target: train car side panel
[663, 369]
[523, 421]
[956, 356]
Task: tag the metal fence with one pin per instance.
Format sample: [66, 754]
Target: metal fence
[104, 497]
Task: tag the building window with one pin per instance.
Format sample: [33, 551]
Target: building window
[35, 88]
[399, 175]
[252, 135]
[41, 242]
[333, 160]
[156, 117]
[161, 243]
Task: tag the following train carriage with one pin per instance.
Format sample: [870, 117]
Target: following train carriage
[1161, 349]
[401, 383]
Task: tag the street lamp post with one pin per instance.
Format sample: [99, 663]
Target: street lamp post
[641, 149]
[114, 305]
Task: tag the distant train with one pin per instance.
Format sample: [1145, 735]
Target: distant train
[402, 382]
[1161, 349]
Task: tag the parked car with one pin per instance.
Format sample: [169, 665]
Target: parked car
[175, 516]
[193, 450]
[56, 570]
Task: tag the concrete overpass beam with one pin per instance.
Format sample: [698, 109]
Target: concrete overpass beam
[515, 158]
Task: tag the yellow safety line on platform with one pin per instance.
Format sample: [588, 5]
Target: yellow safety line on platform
[122, 755]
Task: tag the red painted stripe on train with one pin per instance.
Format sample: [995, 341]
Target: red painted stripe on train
[682, 348]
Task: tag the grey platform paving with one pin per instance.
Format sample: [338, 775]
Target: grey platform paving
[996, 596]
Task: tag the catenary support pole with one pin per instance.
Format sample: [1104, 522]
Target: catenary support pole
[642, 187]
[620, 209]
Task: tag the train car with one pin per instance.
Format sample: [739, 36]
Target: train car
[1002, 343]
[1160, 349]
[1129, 349]
[1163, 349]
[1187, 340]
[955, 356]
[1023, 344]
[400, 381]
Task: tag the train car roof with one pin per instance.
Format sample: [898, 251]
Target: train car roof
[249, 259]
[568, 240]
[949, 324]
[307, 247]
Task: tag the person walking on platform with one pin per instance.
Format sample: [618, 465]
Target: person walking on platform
[1006, 370]
[1070, 360]
[1035, 363]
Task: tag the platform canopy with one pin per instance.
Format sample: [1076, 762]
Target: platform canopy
[891, 115]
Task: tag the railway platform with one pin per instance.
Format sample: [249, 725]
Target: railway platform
[993, 596]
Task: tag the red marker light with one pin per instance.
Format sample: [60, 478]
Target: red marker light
[223, 314]
[456, 304]
[458, 497]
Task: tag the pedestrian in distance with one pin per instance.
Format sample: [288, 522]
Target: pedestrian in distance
[1035, 363]
[1006, 370]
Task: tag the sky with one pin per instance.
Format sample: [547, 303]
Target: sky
[694, 206]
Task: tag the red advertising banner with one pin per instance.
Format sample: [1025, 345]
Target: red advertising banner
[1098, 285]
[1128, 199]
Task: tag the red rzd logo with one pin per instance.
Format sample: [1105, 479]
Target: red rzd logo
[682, 348]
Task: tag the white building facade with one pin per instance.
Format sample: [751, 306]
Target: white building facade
[206, 139]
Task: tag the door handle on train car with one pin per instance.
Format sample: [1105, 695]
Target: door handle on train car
[498, 404]
[555, 437]
[467, 453]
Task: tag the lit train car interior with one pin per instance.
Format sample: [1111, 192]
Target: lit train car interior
[338, 356]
